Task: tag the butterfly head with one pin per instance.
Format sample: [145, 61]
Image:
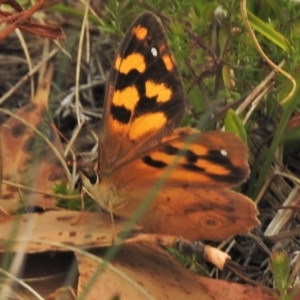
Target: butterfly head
[99, 190]
[89, 180]
[91, 183]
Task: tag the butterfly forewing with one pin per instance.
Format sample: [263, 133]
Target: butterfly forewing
[144, 96]
[190, 158]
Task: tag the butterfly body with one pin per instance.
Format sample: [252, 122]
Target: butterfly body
[139, 147]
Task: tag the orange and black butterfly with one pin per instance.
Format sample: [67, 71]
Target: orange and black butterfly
[140, 143]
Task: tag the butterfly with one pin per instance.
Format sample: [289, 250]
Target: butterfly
[139, 142]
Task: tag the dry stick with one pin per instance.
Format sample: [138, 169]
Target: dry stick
[24, 15]
[93, 13]
[295, 271]
[7, 17]
[69, 149]
[28, 58]
[255, 103]
[285, 234]
[283, 216]
[295, 207]
[25, 77]
[289, 176]
[45, 68]
[62, 49]
[87, 34]
[257, 91]
[74, 136]
[68, 98]
[230, 265]
[264, 189]
[260, 243]
[84, 22]
[74, 171]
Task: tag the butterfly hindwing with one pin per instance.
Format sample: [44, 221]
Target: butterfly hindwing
[144, 96]
[194, 213]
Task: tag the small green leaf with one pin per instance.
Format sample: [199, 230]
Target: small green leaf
[268, 32]
[280, 268]
[71, 204]
[196, 99]
[234, 124]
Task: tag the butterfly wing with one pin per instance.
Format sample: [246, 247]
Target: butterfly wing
[193, 213]
[144, 96]
[188, 177]
[137, 147]
[211, 159]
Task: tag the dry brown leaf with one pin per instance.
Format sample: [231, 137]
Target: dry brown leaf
[137, 271]
[27, 159]
[78, 229]
[70, 228]
[224, 290]
[143, 272]
[21, 19]
[62, 293]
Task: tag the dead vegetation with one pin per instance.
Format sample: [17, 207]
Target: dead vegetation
[73, 97]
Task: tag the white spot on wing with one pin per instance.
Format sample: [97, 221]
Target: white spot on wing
[154, 51]
[223, 152]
